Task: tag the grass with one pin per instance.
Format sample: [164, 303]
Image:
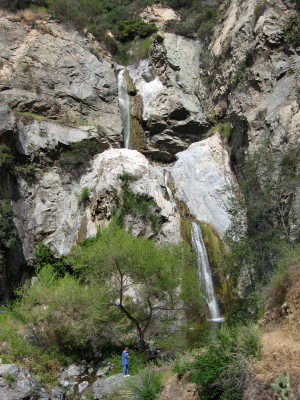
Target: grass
[145, 386]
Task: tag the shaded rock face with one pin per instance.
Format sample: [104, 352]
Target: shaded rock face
[257, 75]
[172, 92]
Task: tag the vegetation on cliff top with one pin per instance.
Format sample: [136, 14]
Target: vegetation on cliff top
[115, 22]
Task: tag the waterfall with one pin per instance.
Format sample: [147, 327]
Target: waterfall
[124, 104]
[169, 191]
[204, 271]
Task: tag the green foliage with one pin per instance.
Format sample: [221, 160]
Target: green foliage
[8, 234]
[207, 21]
[45, 256]
[122, 262]
[62, 314]
[282, 385]
[135, 204]
[10, 379]
[77, 159]
[259, 9]
[84, 197]
[17, 349]
[145, 386]
[291, 30]
[224, 130]
[266, 180]
[197, 20]
[280, 280]
[219, 370]
[6, 158]
[240, 73]
[130, 29]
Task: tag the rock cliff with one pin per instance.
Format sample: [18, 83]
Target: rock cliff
[60, 116]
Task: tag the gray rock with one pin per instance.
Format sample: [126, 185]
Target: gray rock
[7, 120]
[105, 386]
[51, 72]
[171, 90]
[82, 386]
[102, 371]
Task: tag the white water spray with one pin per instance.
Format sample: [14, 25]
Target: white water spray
[204, 272]
[124, 104]
[167, 175]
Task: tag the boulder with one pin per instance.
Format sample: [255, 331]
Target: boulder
[105, 386]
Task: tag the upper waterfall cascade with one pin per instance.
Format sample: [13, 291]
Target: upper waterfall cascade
[167, 175]
[204, 272]
[124, 104]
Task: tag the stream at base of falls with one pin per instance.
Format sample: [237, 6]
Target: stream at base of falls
[200, 333]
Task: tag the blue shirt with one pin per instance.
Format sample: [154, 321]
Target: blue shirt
[124, 358]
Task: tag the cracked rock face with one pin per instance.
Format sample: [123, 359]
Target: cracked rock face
[49, 73]
[172, 92]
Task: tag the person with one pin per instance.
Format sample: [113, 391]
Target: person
[125, 362]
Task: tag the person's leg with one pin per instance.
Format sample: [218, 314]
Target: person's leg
[126, 366]
[124, 369]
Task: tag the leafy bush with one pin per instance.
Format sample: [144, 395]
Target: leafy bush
[45, 256]
[136, 204]
[129, 29]
[6, 158]
[84, 196]
[291, 30]
[8, 234]
[259, 9]
[219, 370]
[77, 158]
[15, 348]
[145, 386]
[224, 130]
[207, 21]
[62, 314]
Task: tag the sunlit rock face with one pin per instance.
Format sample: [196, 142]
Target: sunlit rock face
[51, 74]
[50, 210]
[203, 179]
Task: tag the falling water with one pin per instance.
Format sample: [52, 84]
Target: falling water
[204, 271]
[169, 191]
[124, 104]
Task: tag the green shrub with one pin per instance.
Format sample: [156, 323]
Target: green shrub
[76, 159]
[8, 234]
[84, 197]
[240, 73]
[224, 130]
[130, 29]
[219, 370]
[259, 9]
[291, 30]
[136, 204]
[45, 256]
[62, 314]
[6, 158]
[145, 386]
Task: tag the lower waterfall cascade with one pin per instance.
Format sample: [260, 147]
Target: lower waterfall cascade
[204, 272]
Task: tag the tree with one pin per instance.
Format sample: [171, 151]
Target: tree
[142, 280]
